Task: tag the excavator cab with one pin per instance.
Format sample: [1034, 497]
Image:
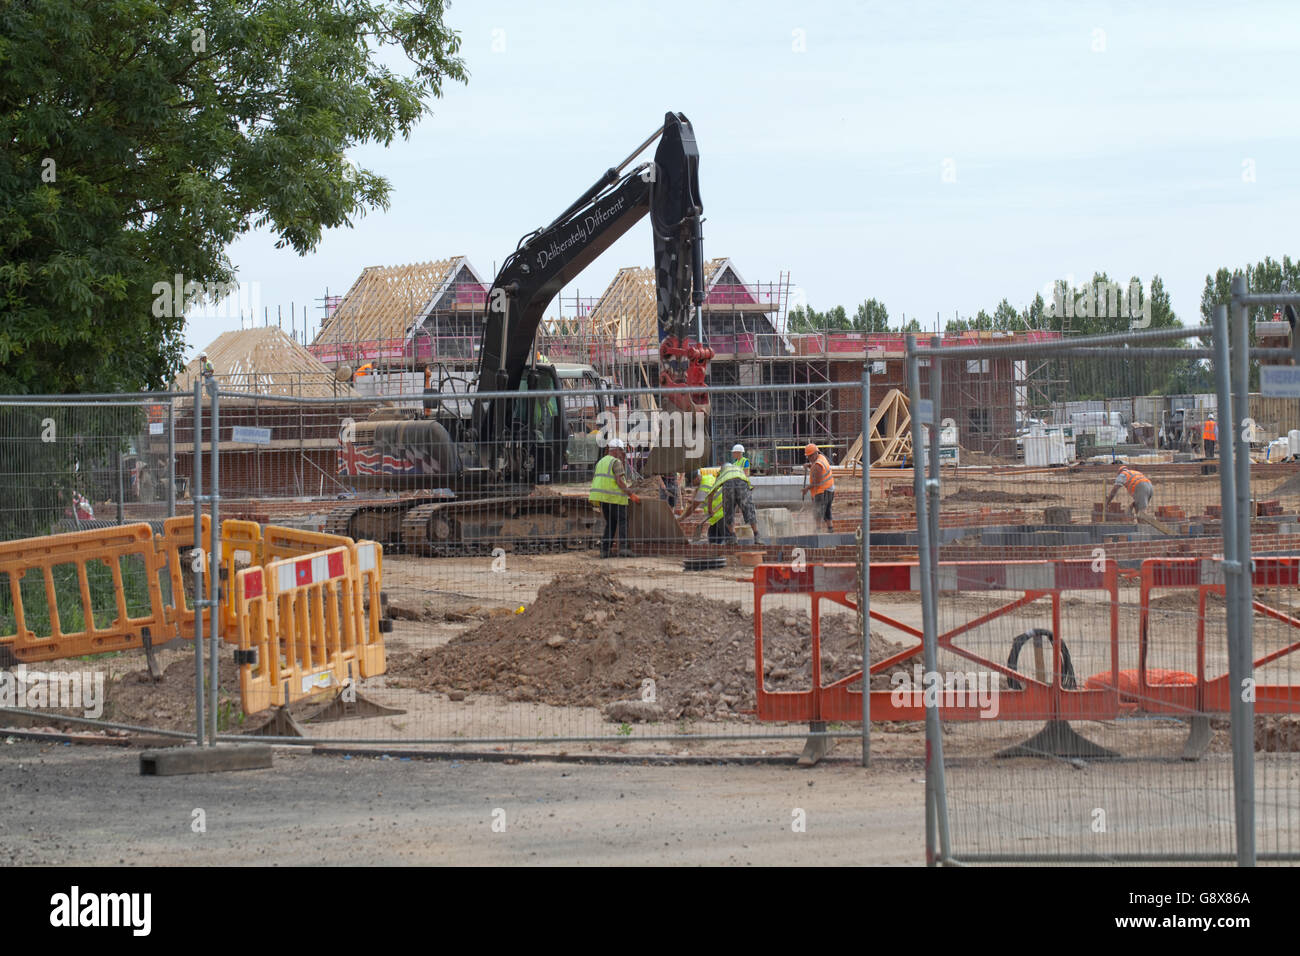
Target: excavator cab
[537, 425]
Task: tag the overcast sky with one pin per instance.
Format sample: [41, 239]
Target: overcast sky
[935, 156]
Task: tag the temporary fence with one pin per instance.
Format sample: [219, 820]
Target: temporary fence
[1145, 748]
[1009, 600]
[94, 592]
[507, 625]
[83, 462]
[102, 592]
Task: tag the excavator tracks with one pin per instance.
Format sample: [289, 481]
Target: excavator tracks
[520, 525]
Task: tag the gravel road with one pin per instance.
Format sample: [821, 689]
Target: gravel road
[90, 806]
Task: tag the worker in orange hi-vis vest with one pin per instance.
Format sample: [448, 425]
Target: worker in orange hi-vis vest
[1137, 484]
[820, 483]
[1210, 435]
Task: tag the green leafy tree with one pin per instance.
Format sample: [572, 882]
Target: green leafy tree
[808, 319]
[1266, 276]
[871, 316]
[141, 137]
[1100, 307]
[912, 325]
[1032, 315]
[1006, 318]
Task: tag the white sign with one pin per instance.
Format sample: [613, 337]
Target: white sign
[1279, 381]
[925, 411]
[155, 428]
[250, 436]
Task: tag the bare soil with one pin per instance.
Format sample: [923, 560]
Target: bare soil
[134, 698]
[966, 493]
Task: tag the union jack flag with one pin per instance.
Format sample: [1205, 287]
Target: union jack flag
[355, 460]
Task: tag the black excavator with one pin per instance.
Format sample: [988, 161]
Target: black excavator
[479, 467]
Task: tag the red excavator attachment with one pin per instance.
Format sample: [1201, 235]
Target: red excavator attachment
[671, 351]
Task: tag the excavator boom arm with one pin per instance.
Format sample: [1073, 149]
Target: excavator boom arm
[545, 261]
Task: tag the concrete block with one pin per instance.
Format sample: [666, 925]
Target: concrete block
[182, 760]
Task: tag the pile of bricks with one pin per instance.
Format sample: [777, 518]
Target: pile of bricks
[1113, 509]
[900, 491]
[906, 520]
[1170, 511]
[1264, 509]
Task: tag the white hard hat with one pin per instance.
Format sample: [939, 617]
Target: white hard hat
[739, 448]
[203, 355]
[615, 443]
[1210, 416]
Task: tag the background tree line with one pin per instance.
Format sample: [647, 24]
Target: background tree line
[1088, 310]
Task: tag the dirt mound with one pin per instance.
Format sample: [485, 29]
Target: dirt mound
[169, 704]
[1184, 599]
[1277, 733]
[588, 640]
[991, 496]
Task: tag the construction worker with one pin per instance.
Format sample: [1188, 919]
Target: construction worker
[205, 367]
[719, 530]
[820, 483]
[1210, 435]
[1137, 484]
[732, 488]
[669, 486]
[609, 489]
[738, 456]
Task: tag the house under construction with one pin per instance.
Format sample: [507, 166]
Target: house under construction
[396, 322]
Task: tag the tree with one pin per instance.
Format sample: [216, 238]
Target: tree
[912, 325]
[1005, 317]
[142, 137]
[1032, 316]
[807, 319]
[872, 316]
[1266, 276]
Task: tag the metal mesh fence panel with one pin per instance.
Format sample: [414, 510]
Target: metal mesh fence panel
[77, 611]
[516, 621]
[1082, 665]
[524, 611]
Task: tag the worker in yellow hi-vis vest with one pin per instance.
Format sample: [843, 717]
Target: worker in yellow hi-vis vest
[719, 530]
[732, 489]
[609, 490]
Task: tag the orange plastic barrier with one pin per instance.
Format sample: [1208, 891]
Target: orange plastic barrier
[241, 543]
[367, 561]
[308, 614]
[299, 628]
[1033, 700]
[60, 616]
[1104, 696]
[279, 542]
[1129, 693]
[177, 546]
[1212, 694]
[370, 614]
